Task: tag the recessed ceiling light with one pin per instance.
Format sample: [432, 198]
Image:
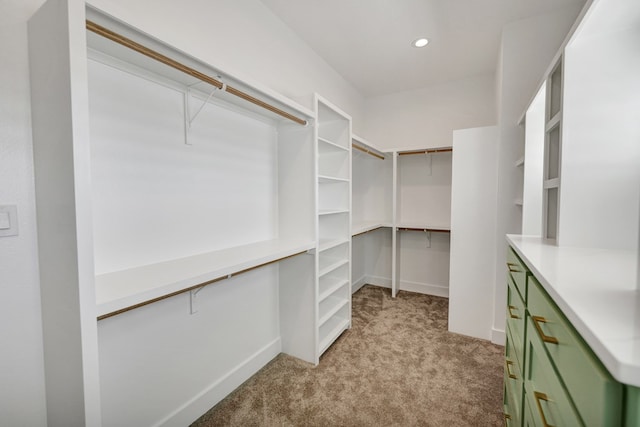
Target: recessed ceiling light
[421, 42]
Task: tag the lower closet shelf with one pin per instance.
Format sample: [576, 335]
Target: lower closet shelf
[331, 330]
[330, 306]
[133, 287]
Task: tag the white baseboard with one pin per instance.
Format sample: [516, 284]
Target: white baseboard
[425, 288]
[498, 337]
[355, 286]
[382, 282]
[385, 282]
[218, 390]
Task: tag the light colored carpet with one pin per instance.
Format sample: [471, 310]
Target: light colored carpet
[397, 366]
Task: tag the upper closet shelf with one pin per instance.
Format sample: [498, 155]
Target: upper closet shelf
[365, 147]
[423, 227]
[330, 145]
[366, 226]
[123, 43]
[430, 150]
[122, 290]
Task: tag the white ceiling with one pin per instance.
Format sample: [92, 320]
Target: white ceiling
[368, 41]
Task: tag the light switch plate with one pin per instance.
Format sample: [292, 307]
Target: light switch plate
[8, 220]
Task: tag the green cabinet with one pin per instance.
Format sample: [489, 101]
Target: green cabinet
[551, 375]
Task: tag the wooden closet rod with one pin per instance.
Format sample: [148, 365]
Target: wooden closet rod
[436, 150]
[191, 288]
[104, 32]
[423, 229]
[366, 150]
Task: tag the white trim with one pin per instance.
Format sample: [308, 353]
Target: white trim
[425, 288]
[219, 389]
[498, 336]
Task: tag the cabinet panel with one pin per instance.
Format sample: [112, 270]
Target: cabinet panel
[596, 394]
[545, 393]
[518, 272]
[513, 380]
[516, 314]
[632, 415]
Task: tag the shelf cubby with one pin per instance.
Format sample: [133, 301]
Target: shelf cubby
[333, 221]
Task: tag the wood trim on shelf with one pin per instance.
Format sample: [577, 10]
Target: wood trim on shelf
[436, 230]
[191, 288]
[124, 41]
[429, 151]
[367, 151]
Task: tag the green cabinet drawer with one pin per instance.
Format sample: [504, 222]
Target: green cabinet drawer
[549, 402]
[516, 314]
[511, 418]
[513, 379]
[518, 272]
[596, 395]
[527, 415]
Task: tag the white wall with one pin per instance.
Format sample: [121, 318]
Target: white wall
[527, 48]
[22, 396]
[278, 59]
[428, 116]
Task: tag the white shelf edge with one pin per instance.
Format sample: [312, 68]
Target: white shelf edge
[333, 144]
[424, 226]
[551, 183]
[119, 290]
[518, 202]
[334, 266]
[519, 162]
[332, 211]
[328, 179]
[339, 303]
[330, 244]
[365, 226]
[553, 122]
[339, 283]
[333, 334]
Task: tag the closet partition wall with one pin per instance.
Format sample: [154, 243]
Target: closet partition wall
[175, 203]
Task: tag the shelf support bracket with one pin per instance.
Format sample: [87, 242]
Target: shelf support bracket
[193, 300]
[428, 234]
[188, 118]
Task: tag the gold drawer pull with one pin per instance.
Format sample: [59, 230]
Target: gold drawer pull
[513, 316]
[541, 396]
[508, 364]
[546, 338]
[513, 268]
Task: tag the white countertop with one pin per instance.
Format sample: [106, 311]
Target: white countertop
[597, 289]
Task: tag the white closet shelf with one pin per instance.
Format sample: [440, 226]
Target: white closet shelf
[330, 306]
[333, 145]
[324, 179]
[331, 330]
[124, 289]
[422, 226]
[518, 202]
[325, 244]
[333, 265]
[366, 226]
[519, 162]
[332, 211]
[332, 284]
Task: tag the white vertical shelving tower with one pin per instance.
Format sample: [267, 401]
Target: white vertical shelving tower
[333, 224]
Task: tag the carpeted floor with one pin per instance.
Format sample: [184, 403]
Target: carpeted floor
[396, 366]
